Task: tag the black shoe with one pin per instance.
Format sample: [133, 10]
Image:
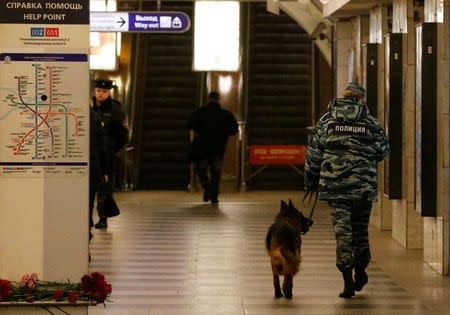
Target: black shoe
[101, 224]
[361, 278]
[349, 285]
[214, 200]
[206, 195]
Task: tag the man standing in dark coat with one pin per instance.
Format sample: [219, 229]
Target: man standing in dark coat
[212, 126]
[99, 167]
[115, 134]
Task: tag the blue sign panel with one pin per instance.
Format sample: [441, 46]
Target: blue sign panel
[165, 22]
[5, 57]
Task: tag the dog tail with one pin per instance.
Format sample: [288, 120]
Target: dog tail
[278, 260]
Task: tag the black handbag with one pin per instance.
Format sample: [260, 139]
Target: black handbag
[107, 206]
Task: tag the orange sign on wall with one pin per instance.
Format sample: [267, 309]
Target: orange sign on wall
[277, 154]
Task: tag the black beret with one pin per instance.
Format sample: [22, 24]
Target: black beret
[103, 84]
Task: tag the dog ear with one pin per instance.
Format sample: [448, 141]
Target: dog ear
[291, 205]
[305, 224]
[284, 205]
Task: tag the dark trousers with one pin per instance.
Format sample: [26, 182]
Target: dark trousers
[209, 171]
[351, 227]
[106, 189]
[96, 189]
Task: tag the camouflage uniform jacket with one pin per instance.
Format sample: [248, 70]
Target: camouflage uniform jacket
[342, 154]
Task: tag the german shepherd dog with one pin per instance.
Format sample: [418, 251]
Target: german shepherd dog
[283, 243]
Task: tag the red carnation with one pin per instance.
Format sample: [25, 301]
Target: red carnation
[108, 288]
[98, 277]
[32, 281]
[72, 296]
[28, 281]
[96, 287]
[24, 281]
[87, 284]
[5, 290]
[57, 295]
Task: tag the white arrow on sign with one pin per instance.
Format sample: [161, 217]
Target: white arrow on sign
[109, 22]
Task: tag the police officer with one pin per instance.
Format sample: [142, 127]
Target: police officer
[212, 126]
[341, 163]
[115, 134]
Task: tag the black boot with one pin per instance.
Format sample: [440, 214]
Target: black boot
[361, 278]
[102, 224]
[349, 284]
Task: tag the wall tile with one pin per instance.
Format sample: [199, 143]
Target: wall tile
[446, 140]
[409, 173]
[386, 215]
[344, 30]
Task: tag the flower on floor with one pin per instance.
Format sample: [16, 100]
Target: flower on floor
[96, 286]
[58, 294]
[92, 288]
[5, 290]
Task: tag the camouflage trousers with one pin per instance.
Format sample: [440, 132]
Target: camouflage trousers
[351, 227]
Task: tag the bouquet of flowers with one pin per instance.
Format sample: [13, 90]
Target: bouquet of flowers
[92, 288]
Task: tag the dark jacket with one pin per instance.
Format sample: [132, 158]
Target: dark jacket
[342, 155]
[99, 165]
[113, 119]
[212, 125]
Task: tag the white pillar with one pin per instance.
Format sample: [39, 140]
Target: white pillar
[407, 223]
[436, 230]
[382, 209]
[343, 56]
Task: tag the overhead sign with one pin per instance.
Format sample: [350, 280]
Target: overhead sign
[151, 22]
[44, 12]
[277, 154]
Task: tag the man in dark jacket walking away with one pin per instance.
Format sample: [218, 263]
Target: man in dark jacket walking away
[341, 163]
[212, 126]
[115, 134]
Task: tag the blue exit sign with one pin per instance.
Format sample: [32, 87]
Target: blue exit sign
[150, 22]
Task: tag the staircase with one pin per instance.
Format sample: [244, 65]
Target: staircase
[280, 90]
[168, 98]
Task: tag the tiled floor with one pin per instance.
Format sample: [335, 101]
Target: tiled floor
[167, 253]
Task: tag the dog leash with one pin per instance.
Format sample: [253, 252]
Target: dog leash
[310, 193]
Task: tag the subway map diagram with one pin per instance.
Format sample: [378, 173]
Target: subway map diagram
[44, 114]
